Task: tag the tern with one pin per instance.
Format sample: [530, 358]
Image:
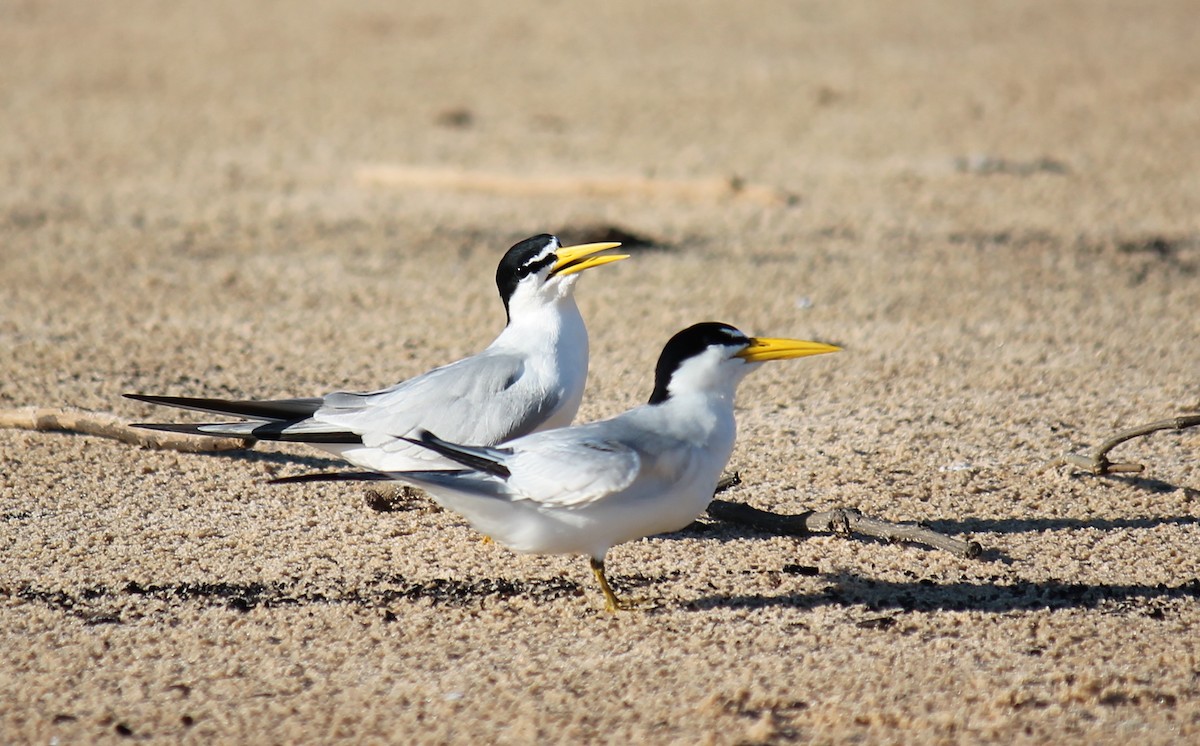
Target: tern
[581, 490]
[530, 378]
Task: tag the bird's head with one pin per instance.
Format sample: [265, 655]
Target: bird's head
[711, 356]
[540, 270]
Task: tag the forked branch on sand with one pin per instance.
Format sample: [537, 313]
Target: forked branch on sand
[843, 521]
[47, 419]
[1097, 461]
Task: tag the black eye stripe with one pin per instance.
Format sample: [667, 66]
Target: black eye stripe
[522, 260]
[534, 267]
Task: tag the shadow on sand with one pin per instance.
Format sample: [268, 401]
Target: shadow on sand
[101, 604]
[995, 598]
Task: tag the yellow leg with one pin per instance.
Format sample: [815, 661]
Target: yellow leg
[611, 602]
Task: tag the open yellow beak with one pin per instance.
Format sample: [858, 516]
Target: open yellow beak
[572, 259]
[762, 349]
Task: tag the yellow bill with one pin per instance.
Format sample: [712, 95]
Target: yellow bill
[572, 259]
[762, 349]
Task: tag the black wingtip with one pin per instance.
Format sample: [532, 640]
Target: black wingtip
[289, 410]
[473, 458]
[186, 429]
[333, 476]
[424, 438]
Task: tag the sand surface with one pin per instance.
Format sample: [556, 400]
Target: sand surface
[994, 207]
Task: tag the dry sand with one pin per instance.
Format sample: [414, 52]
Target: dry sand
[997, 213]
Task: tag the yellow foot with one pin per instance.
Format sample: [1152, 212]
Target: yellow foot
[613, 604]
[629, 604]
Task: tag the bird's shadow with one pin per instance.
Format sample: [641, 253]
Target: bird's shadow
[1041, 525]
[1037, 525]
[883, 597]
[723, 531]
[1136, 481]
[882, 601]
[279, 458]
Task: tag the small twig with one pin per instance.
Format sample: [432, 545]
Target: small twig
[532, 185]
[843, 521]
[727, 482]
[45, 419]
[1097, 461]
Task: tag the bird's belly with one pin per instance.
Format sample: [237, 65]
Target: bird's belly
[594, 529]
[660, 514]
[591, 529]
[520, 525]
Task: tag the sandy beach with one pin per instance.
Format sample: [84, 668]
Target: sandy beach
[994, 208]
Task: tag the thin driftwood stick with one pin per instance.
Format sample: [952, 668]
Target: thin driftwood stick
[843, 521]
[46, 419]
[1097, 461]
[614, 187]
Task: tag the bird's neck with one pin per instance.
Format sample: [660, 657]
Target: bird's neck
[555, 327]
[715, 399]
[702, 416]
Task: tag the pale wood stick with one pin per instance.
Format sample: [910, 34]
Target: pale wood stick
[609, 187]
[1097, 461]
[46, 419]
[843, 521]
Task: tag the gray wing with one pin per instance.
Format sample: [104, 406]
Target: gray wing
[577, 466]
[574, 472]
[483, 399]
